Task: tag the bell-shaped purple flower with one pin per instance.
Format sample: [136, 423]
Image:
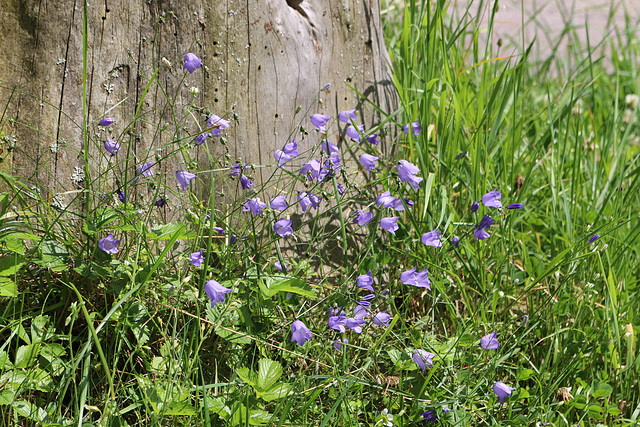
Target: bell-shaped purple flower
[280, 267]
[320, 121]
[514, 206]
[363, 218]
[490, 341]
[311, 169]
[502, 391]
[245, 182]
[360, 312]
[145, 169]
[338, 322]
[161, 202]
[300, 333]
[219, 123]
[390, 224]
[381, 319]
[255, 206]
[423, 358]
[415, 127]
[365, 281]
[369, 161]
[308, 200]
[386, 200]
[184, 178]
[479, 232]
[330, 148]
[279, 203]
[413, 278]
[399, 206]
[347, 115]
[282, 227]
[355, 324]
[236, 169]
[407, 172]
[202, 138]
[474, 206]
[197, 258]
[191, 62]
[107, 121]
[432, 238]
[109, 244]
[492, 199]
[372, 139]
[337, 344]
[111, 146]
[355, 133]
[215, 291]
[594, 238]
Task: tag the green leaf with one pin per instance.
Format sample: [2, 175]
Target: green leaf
[258, 417]
[54, 256]
[10, 265]
[274, 284]
[277, 391]
[601, 390]
[8, 288]
[232, 337]
[525, 374]
[29, 410]
[167, 231]
[7, 396]
[26, 355]
[269, 372]
[248, 376]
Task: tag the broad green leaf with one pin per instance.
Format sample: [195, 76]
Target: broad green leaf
[248, 376]
[4, 358]
[29, 410]
[232, 337]
[9, 265]
[525, 374]
[26, 355]
[8, 287]
[277, 391]
[272, 285]
[54, 256]
[601, 390]
[269, 372]
[7, 396]
[167, 231]
[258, 417]
[177, 408]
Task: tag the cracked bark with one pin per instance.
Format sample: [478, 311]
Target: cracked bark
[264, 59]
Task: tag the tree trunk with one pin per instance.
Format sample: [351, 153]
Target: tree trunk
[261, 60]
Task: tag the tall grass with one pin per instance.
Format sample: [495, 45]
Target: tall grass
[132, 337]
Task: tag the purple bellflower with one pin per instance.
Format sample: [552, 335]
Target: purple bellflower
[415, 127]
[492, 199]
[330, 148]
[386, 200]
[369, 161]
[514, 206]
[432, 238]
[429, 415]
[347, 115]
[279, 203]
[363, 218]
[360, 312]
[474, 207]
[337, 344]
[280, 267]
[413, 278]
[300, 333]
[502, 391]
[107, 121]
[479, 232]
[382, 318]
[197, 258]
[145, 169]
[390, 224]
[282, 227]
[288, 152]
[365, 281]
[311, 169]
[407, 172]
[423, 358]
[121, 196]
[202, 138]
[184, 178]
[490, 341]
[594, 238]
[455, 241]
[161, 202]
[109, 244]
[254, 205]
[355, 133]
[111, 146]
[215, 291]
[236, 169]
[245, 182]
[191, 62]
[338, 322]
[372, 139]
[308, 200]
[320, 121]
[399, 206]
[219, 123]
[355, 324]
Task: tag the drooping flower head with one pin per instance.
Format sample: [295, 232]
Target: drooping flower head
[202, 138]
[347, 115]
[372, 139]
[432, 238]
[355, 324]
[218, 123]
[390, 224]
[407, 172]
[121, 196]
[338, 343]
[474, 206]
[415, 127]
[282, 227]
[479, 232]
[236, 169]
[215, 291]
[369, 161]
[161, 202]
[490, 341]
[300, 333]
[514, 206]
[308, 200]
[594, 238]
[280, 267]
[355, 133]
[246, 182]
[184, 178]
[311, 169]
[492, 199]
[330, 148]
[320, 121]
[279, 203]
[145, 169]
[107, 121]
[429, 415]
[191, 62]
[381, 319]
[109, 244]
[363, 218]
[423, 358]
[338, 321]
[413, 278]
[288, 152]
[386, 200]
[197, 258]
[254, 205]
[111, 146]
[502, 390]
[365, 281]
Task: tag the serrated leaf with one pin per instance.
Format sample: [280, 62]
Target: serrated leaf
[26, 356]
[277, 391]
[271, 285]
[29, 410]
[248, 376]
[269, 372]
[258, 417]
